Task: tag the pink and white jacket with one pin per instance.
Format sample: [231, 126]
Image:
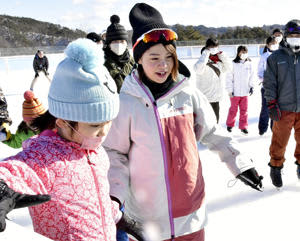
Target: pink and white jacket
[80, 206]
[155, 165]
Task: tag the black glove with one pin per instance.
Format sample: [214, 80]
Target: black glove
[36, 74]
[132, 227]
[9, 200]
[4, 129]
[251, 178]
[274, 111]
[251, 91]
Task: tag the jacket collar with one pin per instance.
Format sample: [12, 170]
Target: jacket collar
[133, 85]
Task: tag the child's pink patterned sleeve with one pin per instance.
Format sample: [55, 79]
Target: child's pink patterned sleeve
[21, 176]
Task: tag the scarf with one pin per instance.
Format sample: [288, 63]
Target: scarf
[120, 60]
[159, 89]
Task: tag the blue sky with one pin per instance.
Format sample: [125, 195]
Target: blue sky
[93, 15]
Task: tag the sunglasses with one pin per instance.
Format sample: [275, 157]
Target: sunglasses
[294, 29]
[155, 35]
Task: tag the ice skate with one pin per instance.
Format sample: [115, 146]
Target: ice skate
[244, 131]
[298, 170]
[275, 174]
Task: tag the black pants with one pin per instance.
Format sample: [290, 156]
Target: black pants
[216, 108]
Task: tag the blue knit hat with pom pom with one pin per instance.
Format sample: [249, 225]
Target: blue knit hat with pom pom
[82, 89]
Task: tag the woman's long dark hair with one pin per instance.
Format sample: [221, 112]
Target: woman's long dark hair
[239, 49]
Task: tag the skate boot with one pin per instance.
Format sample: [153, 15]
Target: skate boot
[298, 169]
[245, 131]
[275, 174]
[229, 129]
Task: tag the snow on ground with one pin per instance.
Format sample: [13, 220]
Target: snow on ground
[234, 213]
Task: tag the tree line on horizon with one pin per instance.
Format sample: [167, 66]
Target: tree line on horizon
[28, 32]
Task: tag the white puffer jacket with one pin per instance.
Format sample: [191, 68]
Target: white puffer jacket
[155, 167]
[207, 81]
[240, 79]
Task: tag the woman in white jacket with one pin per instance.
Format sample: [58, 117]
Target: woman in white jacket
[209, 69]
[152, 145]
[271, 46]
[239, 84]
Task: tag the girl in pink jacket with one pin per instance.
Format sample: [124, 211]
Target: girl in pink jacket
[67, 161]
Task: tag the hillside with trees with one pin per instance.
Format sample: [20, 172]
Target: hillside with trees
[198, 34]
[18, 32]
[27, 32]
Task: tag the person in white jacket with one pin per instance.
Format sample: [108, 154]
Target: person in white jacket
[210, 69]
[239, 84]
[270, 47]
[152, 145]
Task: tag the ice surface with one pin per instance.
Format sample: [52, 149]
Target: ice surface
[236, 213]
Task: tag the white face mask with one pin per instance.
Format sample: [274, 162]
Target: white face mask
[244, 56]
[118, 48]
[293, 41]
[274, 47]
[214, 51]
[278, 39]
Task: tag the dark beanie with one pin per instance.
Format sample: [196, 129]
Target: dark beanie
[94, 37]
[115, 31]
[144, 18]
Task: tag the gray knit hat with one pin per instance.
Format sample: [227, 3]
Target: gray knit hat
[82, 90]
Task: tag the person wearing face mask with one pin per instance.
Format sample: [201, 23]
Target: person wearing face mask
[118, 60]
[278, 35]
[210, 69]
[66, 161]
[271, 46]
[239, 84]
[282, 93]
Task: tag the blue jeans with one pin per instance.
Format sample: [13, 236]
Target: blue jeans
[264, 114]
[122, 236]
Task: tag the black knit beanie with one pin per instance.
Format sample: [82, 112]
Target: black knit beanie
[144, 18]
[115, 31]
[94, 37]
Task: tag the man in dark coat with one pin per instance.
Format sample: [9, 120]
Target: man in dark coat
[40, 64]
[5, 120]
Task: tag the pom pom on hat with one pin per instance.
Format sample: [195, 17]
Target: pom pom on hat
[28, 95]
[115, 19]
[32, 107]
[85, 52]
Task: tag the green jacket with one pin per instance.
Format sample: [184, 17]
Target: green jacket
[16, 140]
[118, 72]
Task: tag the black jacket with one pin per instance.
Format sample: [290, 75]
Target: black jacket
[40, 63]
[282, 79]
[4, 117]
